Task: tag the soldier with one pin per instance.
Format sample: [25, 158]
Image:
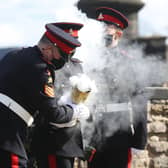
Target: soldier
[59, 147]
[115, 23]
[27, 91]
[118, 131]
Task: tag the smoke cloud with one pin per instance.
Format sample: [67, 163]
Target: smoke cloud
[124, 74]
[121, 74]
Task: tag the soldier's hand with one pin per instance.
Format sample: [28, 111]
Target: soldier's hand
[81, 111]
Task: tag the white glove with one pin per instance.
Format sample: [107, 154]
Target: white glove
[81, 111]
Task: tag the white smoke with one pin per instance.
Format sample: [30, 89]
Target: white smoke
[121, 74]
[125, 74]
[91, 35]
[83, 83]
[107, 68]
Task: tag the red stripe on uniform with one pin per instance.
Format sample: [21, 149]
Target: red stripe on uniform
[52, 161]
[129, 158]
[92, 155]
[14, 161]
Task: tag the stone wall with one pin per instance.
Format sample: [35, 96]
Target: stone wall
[156, 154]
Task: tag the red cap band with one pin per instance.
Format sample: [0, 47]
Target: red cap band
[111, 19]
[64, 47]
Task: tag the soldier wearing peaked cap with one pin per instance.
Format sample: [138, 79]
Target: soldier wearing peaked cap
[60, 143]
[115, 22]
[27, 91]
[118, 132]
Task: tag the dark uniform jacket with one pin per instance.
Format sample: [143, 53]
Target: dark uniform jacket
[29, 80]
[65, 142]
[118, 131]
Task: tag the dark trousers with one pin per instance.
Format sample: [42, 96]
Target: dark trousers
[120, 158]
[53, 161]
[11, 160]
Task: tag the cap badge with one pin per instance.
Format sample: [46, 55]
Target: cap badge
[100, 16]
[71, 31]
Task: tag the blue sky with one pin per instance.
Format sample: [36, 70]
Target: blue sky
[22, 22]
